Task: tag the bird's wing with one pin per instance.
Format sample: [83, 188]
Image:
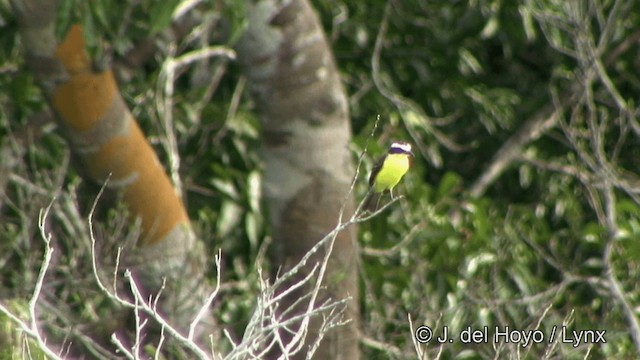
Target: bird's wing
[376, 170]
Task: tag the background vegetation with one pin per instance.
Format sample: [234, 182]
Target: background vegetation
[546, 90]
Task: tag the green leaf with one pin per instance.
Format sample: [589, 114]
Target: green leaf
[449, 184]
[235, 12]
[253, 227]
[161, 15]
[229, 218]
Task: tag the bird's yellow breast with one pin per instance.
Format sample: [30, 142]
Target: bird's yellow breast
[392, 170]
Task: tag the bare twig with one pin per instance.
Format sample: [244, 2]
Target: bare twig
[614, 284]
[30, 327]
[402, 244]
[140, 303]
[406, 106]
[537, 125]
[171, 70]
[547, 118]
[205, 307]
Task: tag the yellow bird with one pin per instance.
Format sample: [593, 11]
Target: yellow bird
[388, 172]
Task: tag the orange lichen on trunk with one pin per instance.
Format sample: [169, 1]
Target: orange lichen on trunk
[111, 142]
[147, 189]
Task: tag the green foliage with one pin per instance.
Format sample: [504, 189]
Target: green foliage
[234, 12]
[215, 140]
[160, 15]
[457, 79]
[530, 253]
[14, 345]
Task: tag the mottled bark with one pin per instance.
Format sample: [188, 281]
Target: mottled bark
[306, 132]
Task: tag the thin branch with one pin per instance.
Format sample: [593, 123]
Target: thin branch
[31, 328]
[139, 302]
[419, 351]
[207, 304]
[403, 104]
[144, 306]
[402, 244]
[536, 126]
[614, 284]
[382, 346]
[548, 117]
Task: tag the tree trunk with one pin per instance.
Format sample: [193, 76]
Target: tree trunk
[110, 145]
[308, 169]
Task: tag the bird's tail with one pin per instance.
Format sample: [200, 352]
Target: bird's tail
[372, 201]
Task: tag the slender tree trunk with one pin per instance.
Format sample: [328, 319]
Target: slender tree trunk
[308, 169]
